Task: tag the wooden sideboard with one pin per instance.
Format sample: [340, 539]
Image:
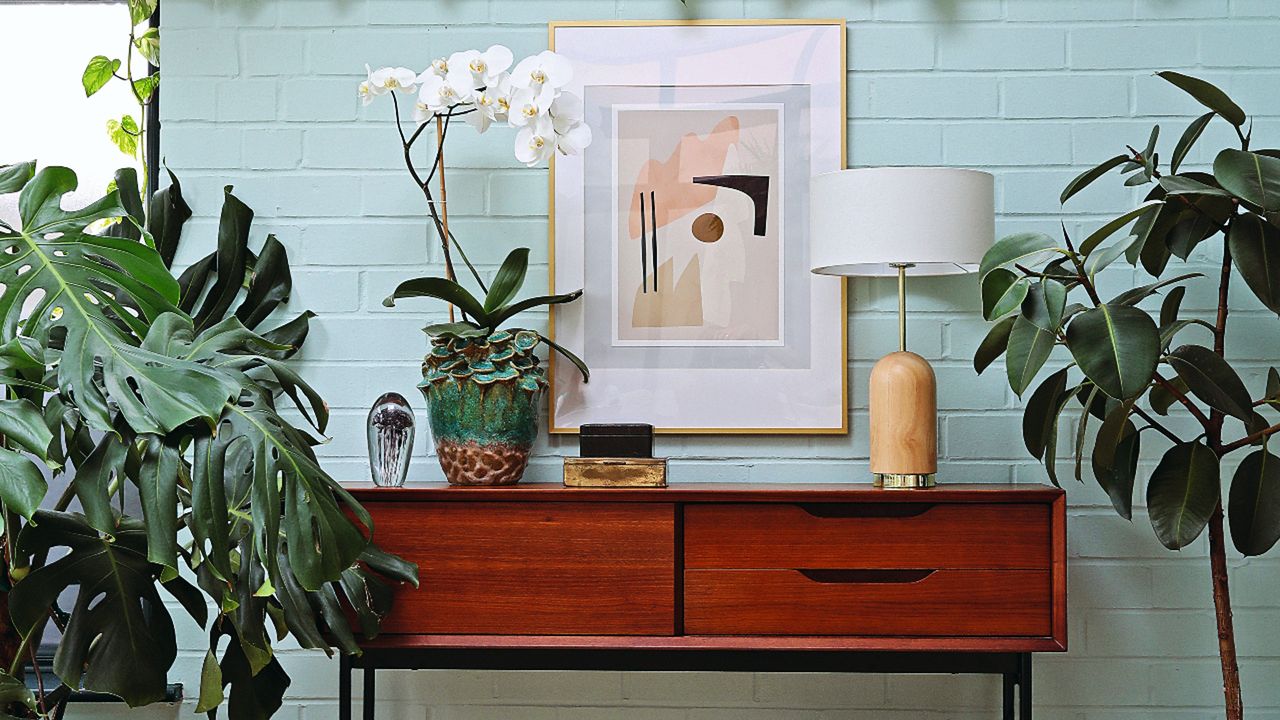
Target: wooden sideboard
[847, 577]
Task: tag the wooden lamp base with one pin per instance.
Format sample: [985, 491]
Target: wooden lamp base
[904, 421]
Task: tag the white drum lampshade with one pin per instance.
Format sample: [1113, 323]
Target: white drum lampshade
[888, 221]
[863, 222]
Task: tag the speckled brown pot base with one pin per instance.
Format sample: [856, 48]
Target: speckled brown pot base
[470, 463]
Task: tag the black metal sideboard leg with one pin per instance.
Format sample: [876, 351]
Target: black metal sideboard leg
[369, 699]
[344, 686]
[1010, 680]
[1024, 687]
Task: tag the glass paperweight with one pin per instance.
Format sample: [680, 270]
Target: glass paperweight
[390, 440]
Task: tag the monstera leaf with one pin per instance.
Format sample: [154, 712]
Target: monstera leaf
[120, 637]
[73, 282]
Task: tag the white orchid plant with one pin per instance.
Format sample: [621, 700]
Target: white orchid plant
[482, 88]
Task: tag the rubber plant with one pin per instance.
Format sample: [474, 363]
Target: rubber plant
[1135, 362]
[133, 382]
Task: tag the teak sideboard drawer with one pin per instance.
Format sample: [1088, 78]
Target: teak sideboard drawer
[552, 568]
[906, 535]
[950, 603]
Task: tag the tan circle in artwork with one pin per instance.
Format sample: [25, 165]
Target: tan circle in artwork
[708, 227]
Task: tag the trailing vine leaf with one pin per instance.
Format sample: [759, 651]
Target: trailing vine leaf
[124, 133]
[1116, 347]
[148, 44]
[1254, 503]
[98, 73]
[1182, 493]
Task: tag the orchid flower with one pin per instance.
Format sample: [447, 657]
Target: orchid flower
[572, 134]
[485, 67]
[392, 78]
[536, 142]
[477, 86]
[547, 68]
[439, 94]
[367, 90]
[529, 105]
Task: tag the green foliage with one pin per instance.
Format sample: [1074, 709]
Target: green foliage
[1125, 369]
[484, 318]
[97, 73]
[132, 380]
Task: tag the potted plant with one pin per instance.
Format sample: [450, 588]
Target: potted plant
[1135, 361]
[482, 382]
[135, 383]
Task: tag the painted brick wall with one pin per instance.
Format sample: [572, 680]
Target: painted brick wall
[260, 94]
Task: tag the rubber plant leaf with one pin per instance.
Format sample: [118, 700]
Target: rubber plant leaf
[1252, 177]
[1116, 347]
[1212, 379]
[1182, 493]
[1254, 503]
[1255, 250]
[1029, 348]
[1085, 178]
[994, 344]
[1208, 95]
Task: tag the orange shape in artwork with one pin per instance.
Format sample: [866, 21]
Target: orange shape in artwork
[671, 179]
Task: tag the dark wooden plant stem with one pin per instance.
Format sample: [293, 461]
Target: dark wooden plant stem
[1222, 611]
[1217, 540]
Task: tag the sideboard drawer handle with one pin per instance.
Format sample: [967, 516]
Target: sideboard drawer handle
[866, 510]
[901, 577]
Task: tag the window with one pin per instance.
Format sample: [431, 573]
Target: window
[47, 116]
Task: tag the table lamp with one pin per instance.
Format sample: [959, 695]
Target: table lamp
[876, 222]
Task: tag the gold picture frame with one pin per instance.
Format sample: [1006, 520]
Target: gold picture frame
[843, 427]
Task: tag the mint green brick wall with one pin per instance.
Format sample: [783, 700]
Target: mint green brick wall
[260, 94]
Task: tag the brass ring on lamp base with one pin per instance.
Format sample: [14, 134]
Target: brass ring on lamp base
[905, 481]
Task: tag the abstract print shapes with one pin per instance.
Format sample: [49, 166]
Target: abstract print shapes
[755, 187]
[696, 217]
[679, 306]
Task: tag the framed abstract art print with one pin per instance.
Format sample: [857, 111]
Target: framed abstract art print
[686, 224]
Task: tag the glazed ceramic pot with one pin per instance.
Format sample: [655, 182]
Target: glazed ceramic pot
[482, 403]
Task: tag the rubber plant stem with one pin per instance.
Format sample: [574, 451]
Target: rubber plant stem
[1217, 537]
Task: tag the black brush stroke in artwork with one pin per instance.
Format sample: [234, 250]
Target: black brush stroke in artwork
[653, 218]
[644, 256]
[755, 187]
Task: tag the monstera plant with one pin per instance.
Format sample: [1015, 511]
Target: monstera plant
[1136, 360]
[135, 384]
